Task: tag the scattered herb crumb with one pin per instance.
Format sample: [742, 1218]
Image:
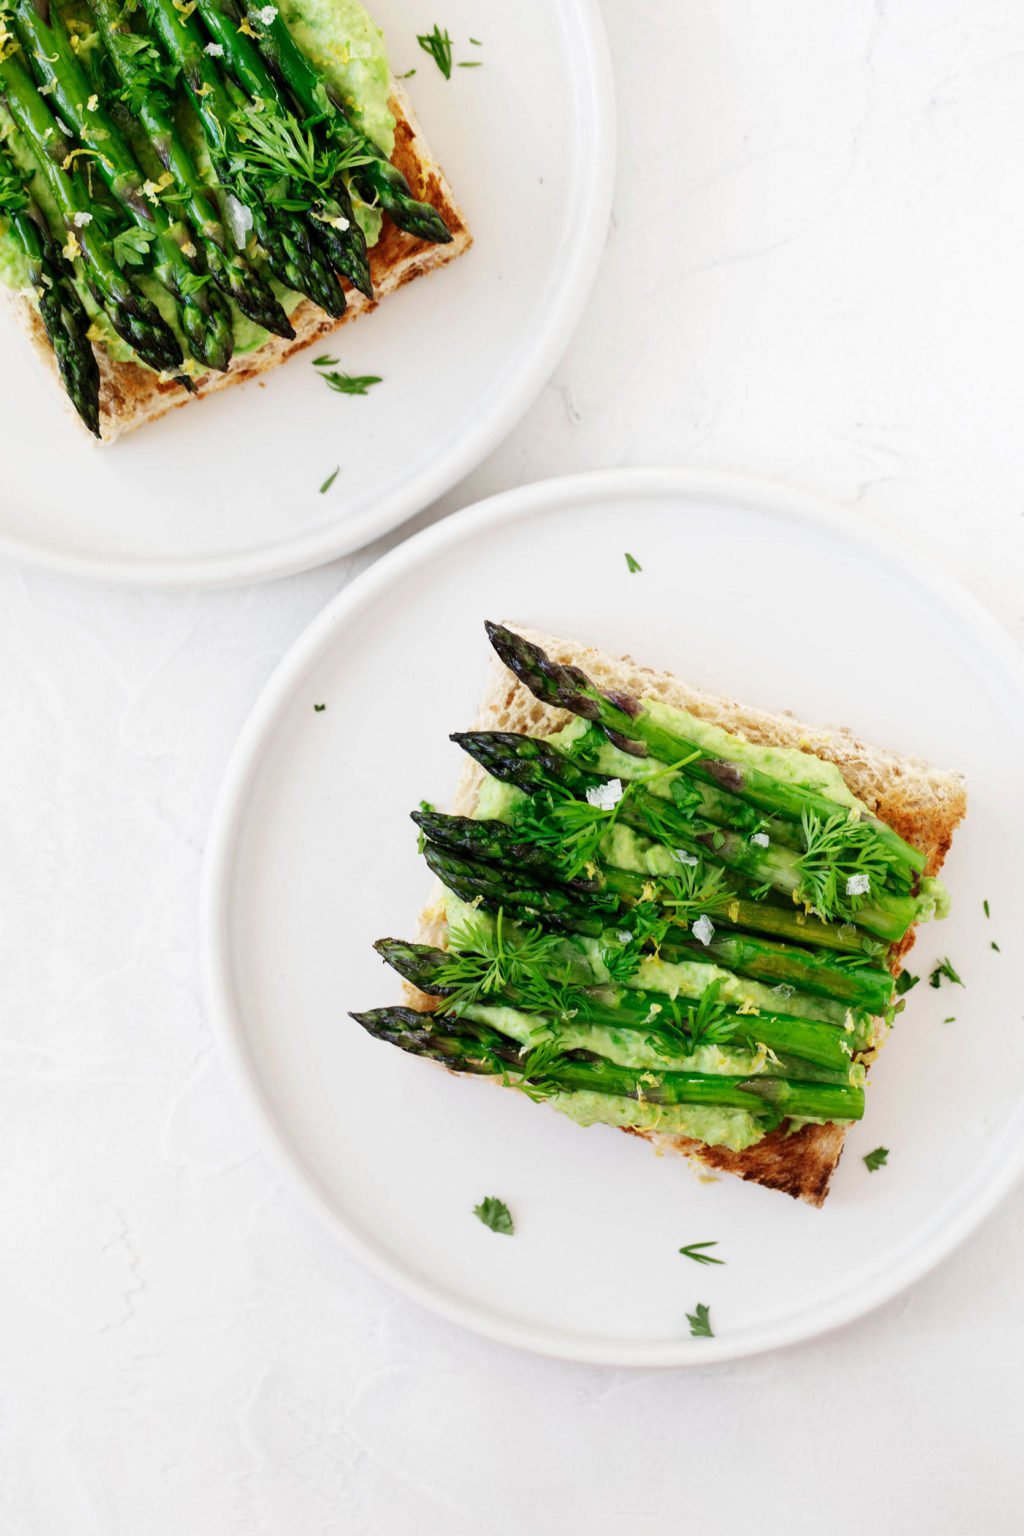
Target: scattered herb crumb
[995, 946]
[325, 362]
[407, 76]
[351, 384]
[421, 841]
[876, 1159]
[319, 708]
[476, 42]
[904, 982]
[632, 563]
[944, 972]
[494, 1213]
[439, 45]
[471, 64]
[329, 482]
[694, 1251]
[950, 1020]
[700, 1322]
[985, 905]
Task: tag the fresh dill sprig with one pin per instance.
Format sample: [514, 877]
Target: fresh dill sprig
[539, 1079]
[709, 1023]
[695, 890]
[569, 830]
[843, 860]
[282, 151]
[484, 960]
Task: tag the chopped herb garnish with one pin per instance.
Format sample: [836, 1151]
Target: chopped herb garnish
[476, 42]
[471, 64]
[987, 912]
[632, 564]
[876, 1159]
[843, 860]
[407, 76]
[904, 982]
[439, 45]
[319, 708]
[944, 972]
[131, 246]
[483, 959]
[950, 1020]
[351, 384]
[693, 1251]
[326, 362]
[700, 1322]
[329, 482]
[995, 946]
[494, 1213]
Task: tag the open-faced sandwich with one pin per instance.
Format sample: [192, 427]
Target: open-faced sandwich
[662, 910]
[191, 190]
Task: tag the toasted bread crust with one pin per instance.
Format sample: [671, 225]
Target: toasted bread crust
[132, 395]
[924, 804]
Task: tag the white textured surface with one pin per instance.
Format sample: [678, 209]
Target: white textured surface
[814, 275]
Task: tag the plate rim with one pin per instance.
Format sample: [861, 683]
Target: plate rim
[244, 763]
[596, 89]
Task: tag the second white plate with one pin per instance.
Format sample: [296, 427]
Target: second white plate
[765, 597]
[229, 490]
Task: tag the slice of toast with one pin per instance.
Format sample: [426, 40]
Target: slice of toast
[132, 395]
[923, 804]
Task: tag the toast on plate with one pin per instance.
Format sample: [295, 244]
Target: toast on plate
[893, 803]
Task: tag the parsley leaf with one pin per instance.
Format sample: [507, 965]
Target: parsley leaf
[131, 246]
[329, 481]
[944, 972]
[700, 1322]
[693, 1251]
[904, 982]
[439, 45]
[632, 564]
[351, 384]
[876, 1159]
[494, 1213]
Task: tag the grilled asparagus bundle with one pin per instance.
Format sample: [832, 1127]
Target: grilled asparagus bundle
[656, 931]
[167, 169]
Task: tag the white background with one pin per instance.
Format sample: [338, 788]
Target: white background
[816, 274]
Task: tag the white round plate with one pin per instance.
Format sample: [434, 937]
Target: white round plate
[743, 588]
[228, 490]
